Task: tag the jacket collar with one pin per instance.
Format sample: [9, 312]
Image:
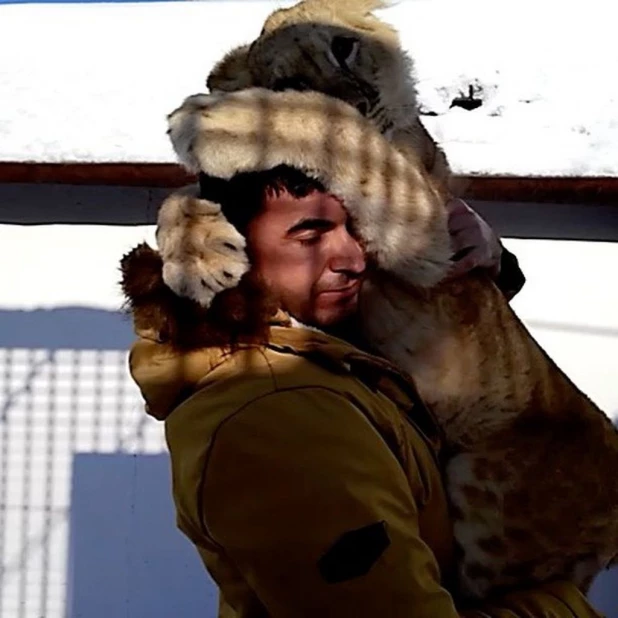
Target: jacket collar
[166, 375]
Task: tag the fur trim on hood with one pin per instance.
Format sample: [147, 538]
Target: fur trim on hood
[236, 316]
[397, 210]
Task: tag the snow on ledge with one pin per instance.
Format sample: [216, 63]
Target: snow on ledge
[94, 82]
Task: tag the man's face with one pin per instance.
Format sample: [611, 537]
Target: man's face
[303, 249]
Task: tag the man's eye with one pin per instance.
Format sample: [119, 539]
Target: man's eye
[310, 227]
[307, 239]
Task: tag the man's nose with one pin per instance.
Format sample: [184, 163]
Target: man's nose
[348, 254]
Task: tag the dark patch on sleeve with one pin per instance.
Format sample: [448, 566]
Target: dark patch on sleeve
[354, 553]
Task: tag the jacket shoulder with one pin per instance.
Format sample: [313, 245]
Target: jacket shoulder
[244, 377]
[266, 384]
[247, 380]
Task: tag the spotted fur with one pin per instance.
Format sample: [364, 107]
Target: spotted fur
[531, 467]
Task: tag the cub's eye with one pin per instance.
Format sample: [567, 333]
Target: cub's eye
[290, 83]
[344, 49]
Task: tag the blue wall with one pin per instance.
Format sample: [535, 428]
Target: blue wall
[126, 556]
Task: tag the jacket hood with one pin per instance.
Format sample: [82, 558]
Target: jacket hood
[238, 315]
[166, 377]
[179, 341]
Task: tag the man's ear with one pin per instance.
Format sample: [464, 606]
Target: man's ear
[231, 73]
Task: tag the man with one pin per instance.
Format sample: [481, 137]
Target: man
[305, 471]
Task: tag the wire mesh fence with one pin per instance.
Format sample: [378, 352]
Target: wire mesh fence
[54, 404]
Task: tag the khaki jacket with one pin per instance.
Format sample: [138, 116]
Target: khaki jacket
[307, 475]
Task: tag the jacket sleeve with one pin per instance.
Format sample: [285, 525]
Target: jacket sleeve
[314, 510]
[553, 600]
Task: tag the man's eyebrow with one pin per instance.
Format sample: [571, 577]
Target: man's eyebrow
[310, 223]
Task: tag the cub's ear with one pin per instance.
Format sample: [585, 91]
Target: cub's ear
[232, 72]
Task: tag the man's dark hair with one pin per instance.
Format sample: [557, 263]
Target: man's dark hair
[242, 197]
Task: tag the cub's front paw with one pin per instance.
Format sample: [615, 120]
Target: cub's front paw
[203, 254]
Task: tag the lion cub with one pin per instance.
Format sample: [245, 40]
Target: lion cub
[530, 469]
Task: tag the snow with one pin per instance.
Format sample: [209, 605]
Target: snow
[546, 71]
[94, 82]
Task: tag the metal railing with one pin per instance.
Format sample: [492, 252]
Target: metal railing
[54, 404]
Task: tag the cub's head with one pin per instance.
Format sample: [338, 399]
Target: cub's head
[333, 46]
